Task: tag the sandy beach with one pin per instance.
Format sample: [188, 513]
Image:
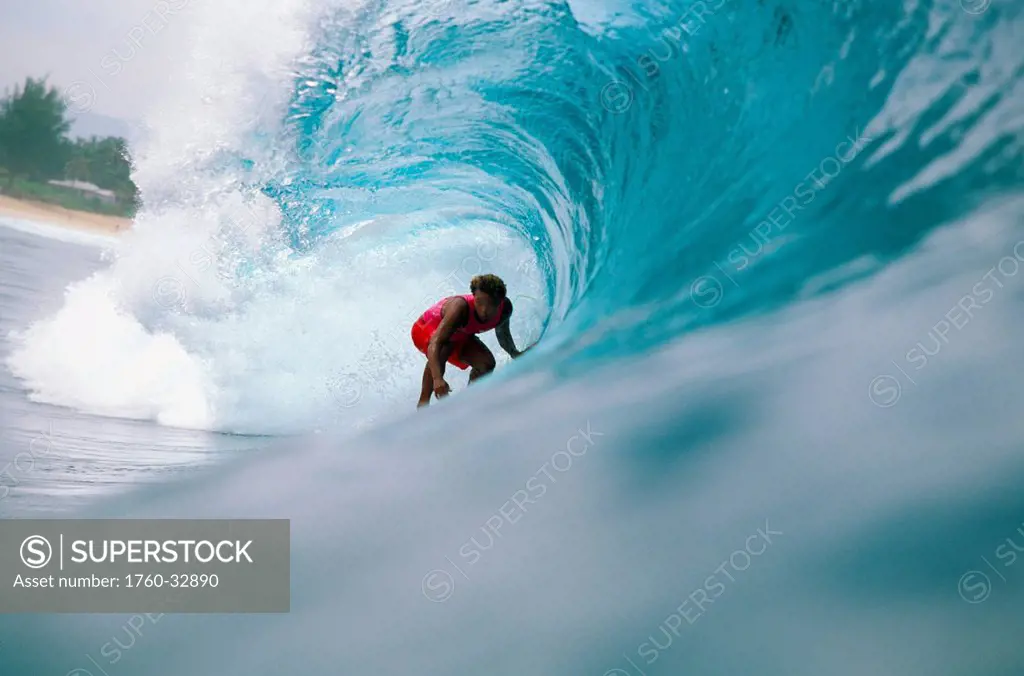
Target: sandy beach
[53, 214]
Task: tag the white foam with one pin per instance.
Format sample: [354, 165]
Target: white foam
[96, 358]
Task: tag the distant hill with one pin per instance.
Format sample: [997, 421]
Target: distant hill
[87, 124]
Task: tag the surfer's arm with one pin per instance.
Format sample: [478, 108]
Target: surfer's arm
[454, 314]
[504, 334]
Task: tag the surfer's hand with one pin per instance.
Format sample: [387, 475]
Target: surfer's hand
[441, 388]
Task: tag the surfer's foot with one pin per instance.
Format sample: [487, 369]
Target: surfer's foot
[422, 402]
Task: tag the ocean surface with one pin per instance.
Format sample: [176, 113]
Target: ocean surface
[771, 252]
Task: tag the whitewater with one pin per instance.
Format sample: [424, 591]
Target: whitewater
[771, 253]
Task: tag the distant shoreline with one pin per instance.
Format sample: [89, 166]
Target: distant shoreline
[57, 215]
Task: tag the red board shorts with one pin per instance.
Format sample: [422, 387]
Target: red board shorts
[421, 333]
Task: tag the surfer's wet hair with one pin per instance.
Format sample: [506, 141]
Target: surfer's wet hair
[489, 284]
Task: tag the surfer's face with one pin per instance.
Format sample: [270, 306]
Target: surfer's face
[485, 306]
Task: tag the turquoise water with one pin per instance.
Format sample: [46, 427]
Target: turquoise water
[772, 253]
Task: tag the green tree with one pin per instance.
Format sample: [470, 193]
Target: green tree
[104, 162]
[32, 131]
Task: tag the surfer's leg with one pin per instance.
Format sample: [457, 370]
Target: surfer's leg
[421, 339]
[476, 354]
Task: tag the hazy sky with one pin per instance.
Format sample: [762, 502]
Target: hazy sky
[111, 56]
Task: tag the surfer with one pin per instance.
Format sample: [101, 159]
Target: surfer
[447, 332]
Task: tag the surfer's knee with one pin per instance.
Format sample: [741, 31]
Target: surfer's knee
[483, 365]
[483, 369]
[479, 357]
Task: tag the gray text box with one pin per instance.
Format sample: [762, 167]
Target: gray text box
[151, 565]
